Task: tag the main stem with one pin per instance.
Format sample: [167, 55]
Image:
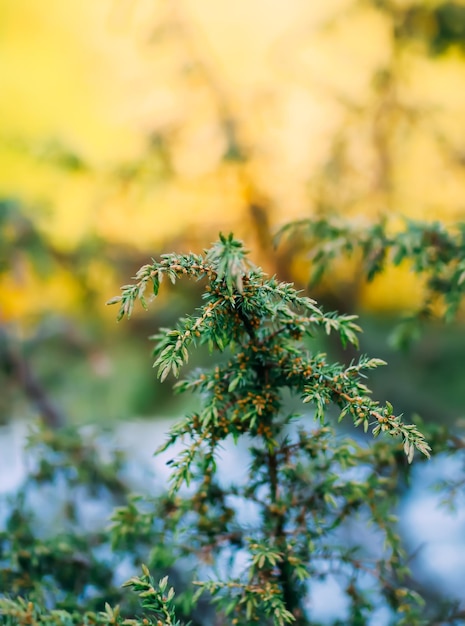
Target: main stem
[291, 596]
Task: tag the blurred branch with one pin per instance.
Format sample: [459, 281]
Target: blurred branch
[20, 371]
[435, 254]
[237, 150]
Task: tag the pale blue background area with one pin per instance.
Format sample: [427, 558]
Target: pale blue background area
[435, 534]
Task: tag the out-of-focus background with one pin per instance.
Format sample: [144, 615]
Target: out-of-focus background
[129, 128]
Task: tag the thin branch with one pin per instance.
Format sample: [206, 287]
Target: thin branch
[22, 373]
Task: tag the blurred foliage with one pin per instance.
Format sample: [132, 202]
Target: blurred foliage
[56, 550]
[433, 252]
[440, 27]
[61, 564]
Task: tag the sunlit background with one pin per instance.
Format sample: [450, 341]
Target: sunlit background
[129, 128]
[142, 124]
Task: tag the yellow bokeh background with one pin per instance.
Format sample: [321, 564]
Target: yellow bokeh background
[143, 94]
